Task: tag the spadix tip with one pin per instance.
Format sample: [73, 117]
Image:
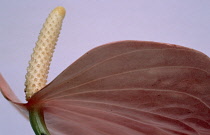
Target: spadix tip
[60, 10]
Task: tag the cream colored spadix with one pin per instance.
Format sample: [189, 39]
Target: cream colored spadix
[37, 71]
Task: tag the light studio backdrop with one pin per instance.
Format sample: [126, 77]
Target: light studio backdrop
[90, 23]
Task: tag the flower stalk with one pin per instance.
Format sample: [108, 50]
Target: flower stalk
[36, 117]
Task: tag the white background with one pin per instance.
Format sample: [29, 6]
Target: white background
[90, 23]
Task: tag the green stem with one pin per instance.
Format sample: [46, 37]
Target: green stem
[37, 121]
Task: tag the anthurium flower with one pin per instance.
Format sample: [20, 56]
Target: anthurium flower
[124, 88]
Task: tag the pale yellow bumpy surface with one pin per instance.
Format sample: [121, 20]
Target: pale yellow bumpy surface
[37, 71]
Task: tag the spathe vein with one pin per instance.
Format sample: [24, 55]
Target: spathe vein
[83, 102]
[127, 89]
[77, 114]
[160, 127]
[117, 56]
[49, 96]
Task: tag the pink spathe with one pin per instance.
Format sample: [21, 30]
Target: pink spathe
[127, 88]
